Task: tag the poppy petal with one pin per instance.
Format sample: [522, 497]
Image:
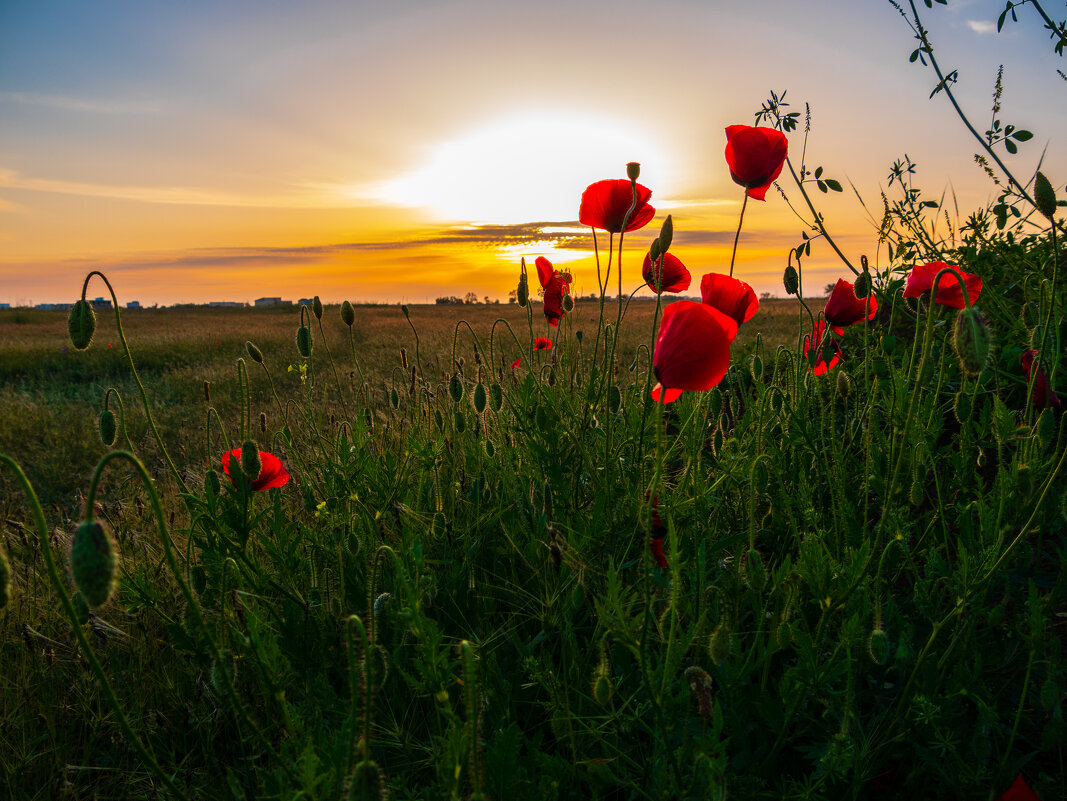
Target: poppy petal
[729, 295]
[674, 278]
[693, 346]
[605, 203]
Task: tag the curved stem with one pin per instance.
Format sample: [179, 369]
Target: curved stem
[737, 236]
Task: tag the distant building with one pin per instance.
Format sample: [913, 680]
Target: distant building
[5, 305]
[272, 302]
[100, 304]
[305, 301]
[134, 304]
[54, 306]
[234, 303]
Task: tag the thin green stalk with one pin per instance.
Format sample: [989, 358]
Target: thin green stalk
[737, 236]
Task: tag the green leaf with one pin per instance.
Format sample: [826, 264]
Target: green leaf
[930, 204]
[914, 55]
[821, 185]
[1000, 19]
[1022, 136]
[818, 172]
[834, 184]
[1011, 146]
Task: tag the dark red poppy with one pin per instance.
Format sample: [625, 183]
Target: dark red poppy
[673, 275]
[844, 308]
[605, 203]
[731, 296]
[655, 545]
[755, 157]
[692, 349]
[1041, 395]
[1019, 791]
[272, 474]
[542, 343]
[556, 284]
[515, 364]
[921, 281]
[815, 340]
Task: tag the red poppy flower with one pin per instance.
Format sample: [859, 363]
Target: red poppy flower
[605, 203]
[1041, 395]
[673, 275]
[273, 473]
[655, 545]
[844, 308]
[1019, 791]
[814, 340]
[755, 157]
[921, 281]
[542, 343]
[556, 284]
[729, 295]
[692, 349]
[515, 364]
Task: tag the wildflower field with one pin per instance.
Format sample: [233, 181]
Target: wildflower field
[664, 548]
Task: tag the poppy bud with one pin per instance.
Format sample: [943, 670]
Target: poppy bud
[1045, 428]
[496, 397]
[211, 483]
[633, 171]
[970, 339]
[455, 388]
[863, 285]
[844, 384]
[107, 428]
[394, 398]
[254, 353]
[460, 421]
[753, 570]
[878, 647]
[316, 307]
[603, 688]
[522, 294]
[963, 407]
[5, 579]
[567, 303]
[614, 398]
[81, 608]
[888, 343]
[490, 448]
[719, 645]
[81, 324]
[348, 314]
[666, 234]
[404, 311]
[303, 341]
[715, 402]
[578, 336]
[92, 560]
[700, 684]
[1044, 196]
[791, 280]
[783, 635]
[251, 465]
[263, 422]
[756, 368]
[479, 398]
[654, 251]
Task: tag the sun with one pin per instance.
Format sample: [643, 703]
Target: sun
[527, 167]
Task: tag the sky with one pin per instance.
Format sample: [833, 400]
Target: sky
[396, 152]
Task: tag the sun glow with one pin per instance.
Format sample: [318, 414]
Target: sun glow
[530, 167]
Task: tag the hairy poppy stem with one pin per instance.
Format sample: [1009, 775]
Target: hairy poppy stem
[737, 236]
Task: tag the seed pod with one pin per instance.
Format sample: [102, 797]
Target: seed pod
[1044, 196]
[303, 341]
[316, 307]
[719, 646]
[633, 170]
[479, 398]
[108, 427]
[93, 562]
[496, 397]
[348, 314]
[791, 280]
[254, 353]
[455, 388]
[863, 285]
[81, 324]
[878, 647]
[970, 339]
[5, 579]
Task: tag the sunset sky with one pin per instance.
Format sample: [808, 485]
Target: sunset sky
[386, 151]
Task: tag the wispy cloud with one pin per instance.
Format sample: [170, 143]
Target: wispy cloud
[982, 26]
[184, 195]
[82, 104]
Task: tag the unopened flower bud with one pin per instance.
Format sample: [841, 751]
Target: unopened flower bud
[791, 280]
[863, 285]
[93, 562]
[700, 684]
[568, 303]
[81, 324]
[460, 421]
[303, 341]
[107, 428]
[404, 311]
[254, 353]
[666, 234]
[348, 314]
[878, 647]
[522, 293]
[719, 646]
[496, 397]
[753, 570]
[316, 307]
[654, 251]
[970, 339]
[844, 384]
[603, 688]
[1044, 196]
[251, 465]
[211, 483]
[455, 388]
[394, 398]
[479, 398]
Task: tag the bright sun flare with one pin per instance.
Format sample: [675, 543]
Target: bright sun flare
[526, 168]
